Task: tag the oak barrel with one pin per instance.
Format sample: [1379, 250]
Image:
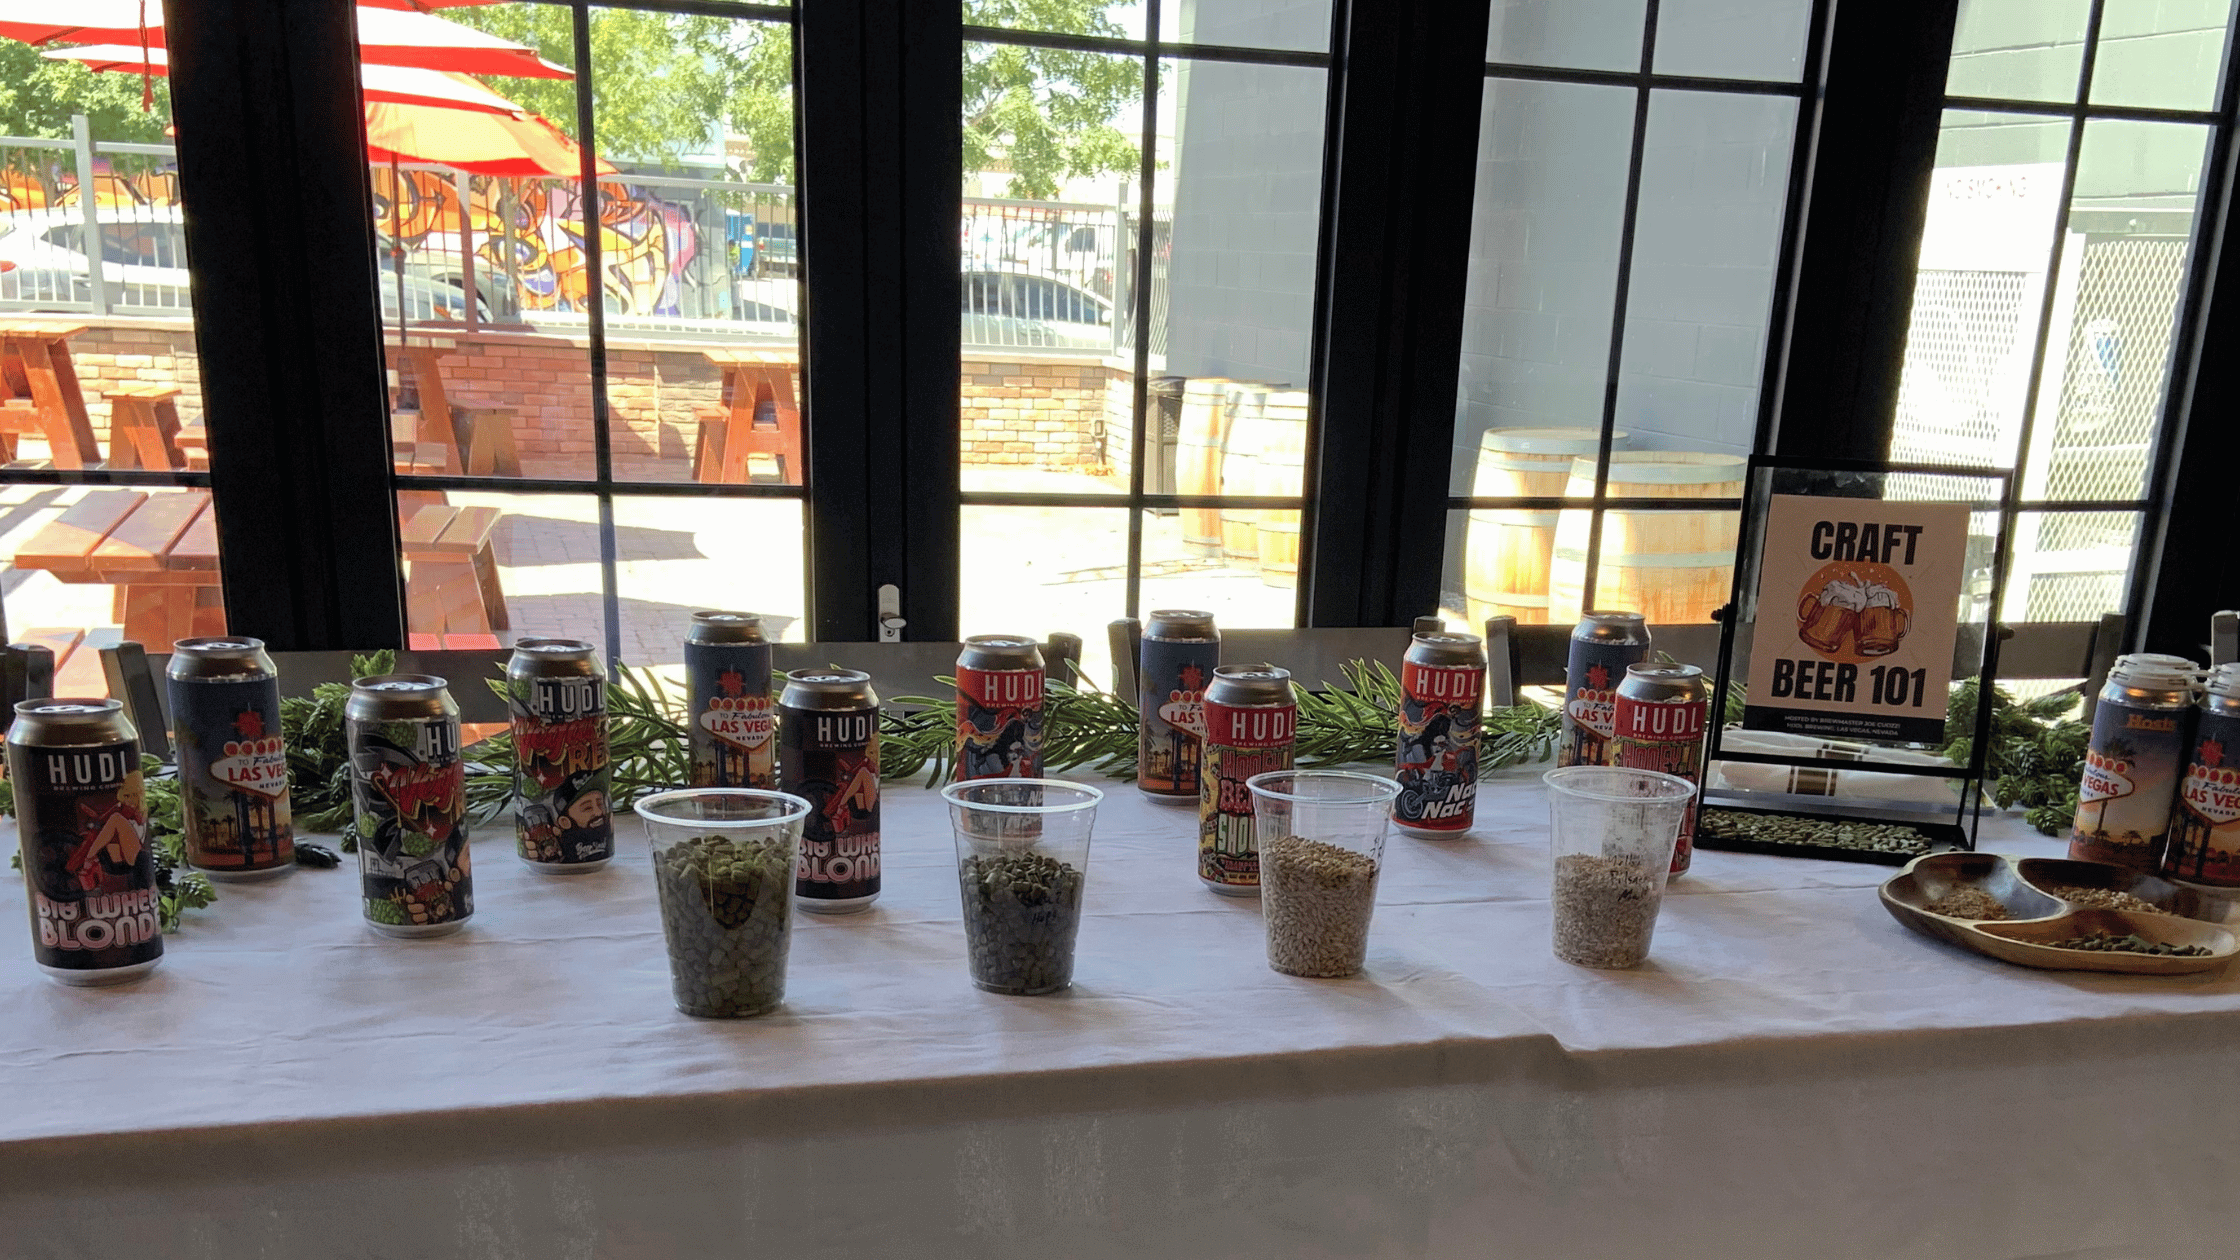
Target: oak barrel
[1673, 567]
[1506, 553]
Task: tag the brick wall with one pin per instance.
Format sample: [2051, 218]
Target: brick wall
[1050, 413]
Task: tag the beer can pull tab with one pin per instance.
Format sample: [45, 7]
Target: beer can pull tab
[890, 614]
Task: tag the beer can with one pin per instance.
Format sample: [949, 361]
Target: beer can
[734, 737]
[556, 691]
[1442, 682]
[2129, 787]
[828, 754]
[408, 788]
[1603, 646]
[2205, 835]
[82, 822]
[1251, 721]
[233, 767]
[1180, 649]
[1657, 723]
[999, 708]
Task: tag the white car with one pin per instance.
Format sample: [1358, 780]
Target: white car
[144, 264]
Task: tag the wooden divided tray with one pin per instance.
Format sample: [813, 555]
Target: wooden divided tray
[2184, 914]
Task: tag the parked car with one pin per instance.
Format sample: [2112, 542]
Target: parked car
[144, 264]
[777, 250]
[1019, 308]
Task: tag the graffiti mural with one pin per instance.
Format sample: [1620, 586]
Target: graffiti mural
[528, 238]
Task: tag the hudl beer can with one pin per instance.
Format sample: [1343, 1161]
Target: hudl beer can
[999, 708]
[233, 767]
[1173, 667]
[1657, 723]
[2130, 782]
[734, 735]
[1603, 646]
[557, 692]
[1251, 723]
[409, 792]
[1442, 681]
[2205, 835]
[828, 754]
[82, 822]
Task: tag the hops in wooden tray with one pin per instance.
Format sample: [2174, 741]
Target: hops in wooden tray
[1969, 903]
[2104, 899]
[2109, 942]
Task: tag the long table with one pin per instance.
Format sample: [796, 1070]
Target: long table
[1793, 1075]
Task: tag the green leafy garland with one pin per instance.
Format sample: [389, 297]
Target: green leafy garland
[2035, 757]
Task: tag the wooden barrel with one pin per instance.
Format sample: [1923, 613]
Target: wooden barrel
[1283, 470]
[1506, 553]
[1673, 567]
[1240, 474]
[1197, 458]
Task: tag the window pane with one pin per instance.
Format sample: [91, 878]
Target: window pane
[1288, 24]
[484, 569]
[1675, 567]
[1543, 277]
[1032, 571]
[1993, 204]
[1247, 193]
[1109, 19]
[92, 567]
[2025, 50]
[676, 556]
[1714, 186]
[2070, 566]
[1733, 39]
[1255, 589]
[2115, 309]
[2161, 53]
[1583, 34]
[1048, 243]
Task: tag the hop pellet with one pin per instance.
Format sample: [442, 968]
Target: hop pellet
[1021, 914]
[725, 907]
[1318, 898]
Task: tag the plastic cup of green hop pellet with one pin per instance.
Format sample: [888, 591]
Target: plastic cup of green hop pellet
[1022, 858]
[1611, 832]
[1321, 839]
[723, 866]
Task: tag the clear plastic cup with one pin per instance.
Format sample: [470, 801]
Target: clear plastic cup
[723, 866]
[1321, 840]
[1022, 859]
[1611, 832]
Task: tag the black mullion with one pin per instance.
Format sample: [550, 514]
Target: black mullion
[1804, 153]
[103, 477]
[2039, 347]
[1618, 305]
[595, 313]
[1148, 46]
[2059, 109]
[1634, 78]
[1146, 171]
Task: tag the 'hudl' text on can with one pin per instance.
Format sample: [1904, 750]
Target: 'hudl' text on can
[828, 754]
[409, 792]
[557, 692]
[999, 708]
[82, 821]
[1658, 724]
[1251, 726]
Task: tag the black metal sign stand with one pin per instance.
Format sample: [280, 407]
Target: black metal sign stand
[1854, 479]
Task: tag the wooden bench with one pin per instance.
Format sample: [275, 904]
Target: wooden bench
[35, 367]
[144, 426]
[194, 447]
[457, 433]
[451, 575]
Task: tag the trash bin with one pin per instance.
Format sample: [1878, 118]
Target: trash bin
[1161, 427]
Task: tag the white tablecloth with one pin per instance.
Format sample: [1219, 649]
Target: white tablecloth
[1794, 1075]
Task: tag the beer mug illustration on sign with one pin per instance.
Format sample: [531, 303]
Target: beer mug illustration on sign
[1867, 612]
[1883, 622]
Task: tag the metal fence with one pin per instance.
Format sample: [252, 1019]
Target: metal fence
[682, 258]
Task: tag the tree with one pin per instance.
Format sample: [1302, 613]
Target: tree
[1048, 111]
[38, 95]
[661, 82]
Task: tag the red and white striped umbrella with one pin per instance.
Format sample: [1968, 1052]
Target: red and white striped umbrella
[387, 36]
[393, 85]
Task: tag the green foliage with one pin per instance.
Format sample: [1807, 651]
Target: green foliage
[38, 96]
[661, 82]
[2035, 754]
[1049, 111]
[319, 752]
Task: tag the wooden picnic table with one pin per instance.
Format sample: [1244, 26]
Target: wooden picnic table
[758, 416]
[160, 550]
[39, 392]
[456, 433]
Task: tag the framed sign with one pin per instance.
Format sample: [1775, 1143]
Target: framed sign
[1864, 593]
[1875, 586]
